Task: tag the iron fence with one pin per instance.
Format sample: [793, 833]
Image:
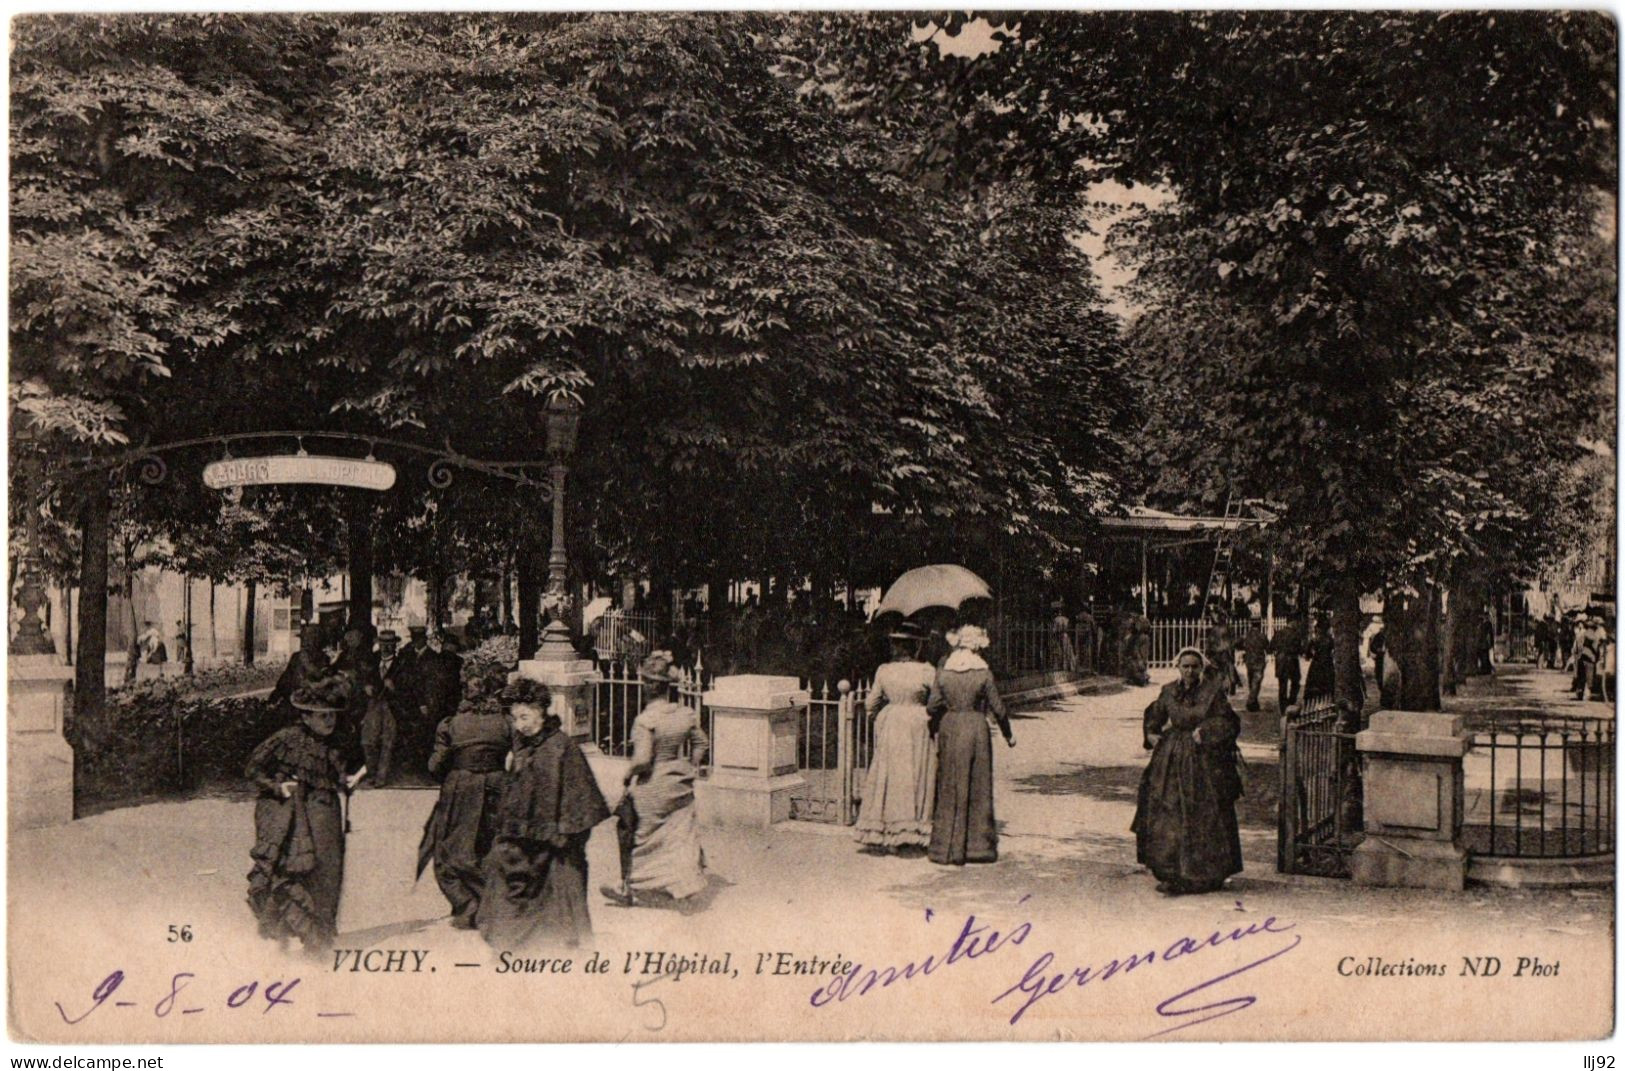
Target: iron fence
[833, 743]
[1170, 635]
[624, 635]
[1320, 814]
[1540, 786]
[1019, 648]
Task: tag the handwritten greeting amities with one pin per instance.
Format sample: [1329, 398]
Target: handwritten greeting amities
[975, 939]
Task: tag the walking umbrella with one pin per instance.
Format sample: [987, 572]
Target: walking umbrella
[946, 586]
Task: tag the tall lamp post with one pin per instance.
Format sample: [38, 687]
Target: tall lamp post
[563, 416]
[40, 767]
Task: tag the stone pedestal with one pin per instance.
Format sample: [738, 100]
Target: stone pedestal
[754, 721]
[1413, 801]
[39, 764]
[567, 682]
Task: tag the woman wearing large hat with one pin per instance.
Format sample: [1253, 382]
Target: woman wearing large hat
[535, 892]
[901, 786]
[293, 888]
[659, 833]
[470, 748]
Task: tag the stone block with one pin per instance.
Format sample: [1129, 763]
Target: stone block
[1406, 796]
[39, 762]
[1408, 863]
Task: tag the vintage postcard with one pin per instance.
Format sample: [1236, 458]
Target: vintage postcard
[812, 526]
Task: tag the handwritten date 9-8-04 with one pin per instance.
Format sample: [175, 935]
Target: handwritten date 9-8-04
[181, 997]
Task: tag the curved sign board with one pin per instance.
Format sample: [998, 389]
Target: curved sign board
[300, 468]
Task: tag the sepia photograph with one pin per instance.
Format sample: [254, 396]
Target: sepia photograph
[811, 526]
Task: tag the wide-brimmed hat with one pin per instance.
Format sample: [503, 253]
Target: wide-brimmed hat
[658, 668]
[388, 636]
[907, 631]
[330, 694]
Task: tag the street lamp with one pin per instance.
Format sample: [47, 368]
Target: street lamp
[563, 417]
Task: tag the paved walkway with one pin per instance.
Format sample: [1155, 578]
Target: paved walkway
[1064, 796]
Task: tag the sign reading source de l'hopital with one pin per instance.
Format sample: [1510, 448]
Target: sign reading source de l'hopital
[300, 468]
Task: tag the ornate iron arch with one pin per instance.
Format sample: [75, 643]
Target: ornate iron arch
[151, 468]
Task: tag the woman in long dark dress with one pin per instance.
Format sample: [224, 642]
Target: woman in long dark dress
[536, 872]
[1185, 824]
[470, 749]
[293, 887]
[962, 827]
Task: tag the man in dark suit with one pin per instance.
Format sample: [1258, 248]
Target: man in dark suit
[407, 686]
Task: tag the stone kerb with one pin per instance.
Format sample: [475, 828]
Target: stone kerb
[754, 724]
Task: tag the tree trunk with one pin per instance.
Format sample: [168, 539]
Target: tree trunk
[505, 618]
[90, 663]
[361, 557]
[214, 636]
[1347, 623]
[1467, 592]
[132, 663]
[250, 598]
[190, 663]
[1411, 631]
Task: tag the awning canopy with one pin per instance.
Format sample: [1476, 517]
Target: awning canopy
[1155, 525]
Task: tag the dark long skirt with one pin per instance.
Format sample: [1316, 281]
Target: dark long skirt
[962, 827]
[536, 894]
[293, 887]
[458, 836]
[1185, 824]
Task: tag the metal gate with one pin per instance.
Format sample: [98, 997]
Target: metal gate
[1320, 803]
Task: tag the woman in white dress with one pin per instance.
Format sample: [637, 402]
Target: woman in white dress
[900, 789]
[661, 859]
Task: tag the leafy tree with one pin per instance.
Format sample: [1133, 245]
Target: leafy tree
[1361, 210]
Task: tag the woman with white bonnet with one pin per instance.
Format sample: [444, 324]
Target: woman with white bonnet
[962, 828]
[1185, 825]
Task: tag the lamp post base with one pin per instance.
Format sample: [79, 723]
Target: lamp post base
[567, 676]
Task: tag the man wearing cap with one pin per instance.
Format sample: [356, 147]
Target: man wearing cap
[1255, 653]
[1287, 647]
[1587, 646]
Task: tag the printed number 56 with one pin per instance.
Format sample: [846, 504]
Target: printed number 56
[182, 934]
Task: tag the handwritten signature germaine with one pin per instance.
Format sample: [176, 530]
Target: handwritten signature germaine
[1042, 979]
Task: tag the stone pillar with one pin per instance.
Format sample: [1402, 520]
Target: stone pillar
[754, 721]
[39, 769]
[1413, 801]
[567, 681]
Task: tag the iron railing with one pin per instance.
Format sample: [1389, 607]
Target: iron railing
[1320, 815]
[1170, 635]
[624, 635]
[1020, 648]
[833, 743]
[1540, 786]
